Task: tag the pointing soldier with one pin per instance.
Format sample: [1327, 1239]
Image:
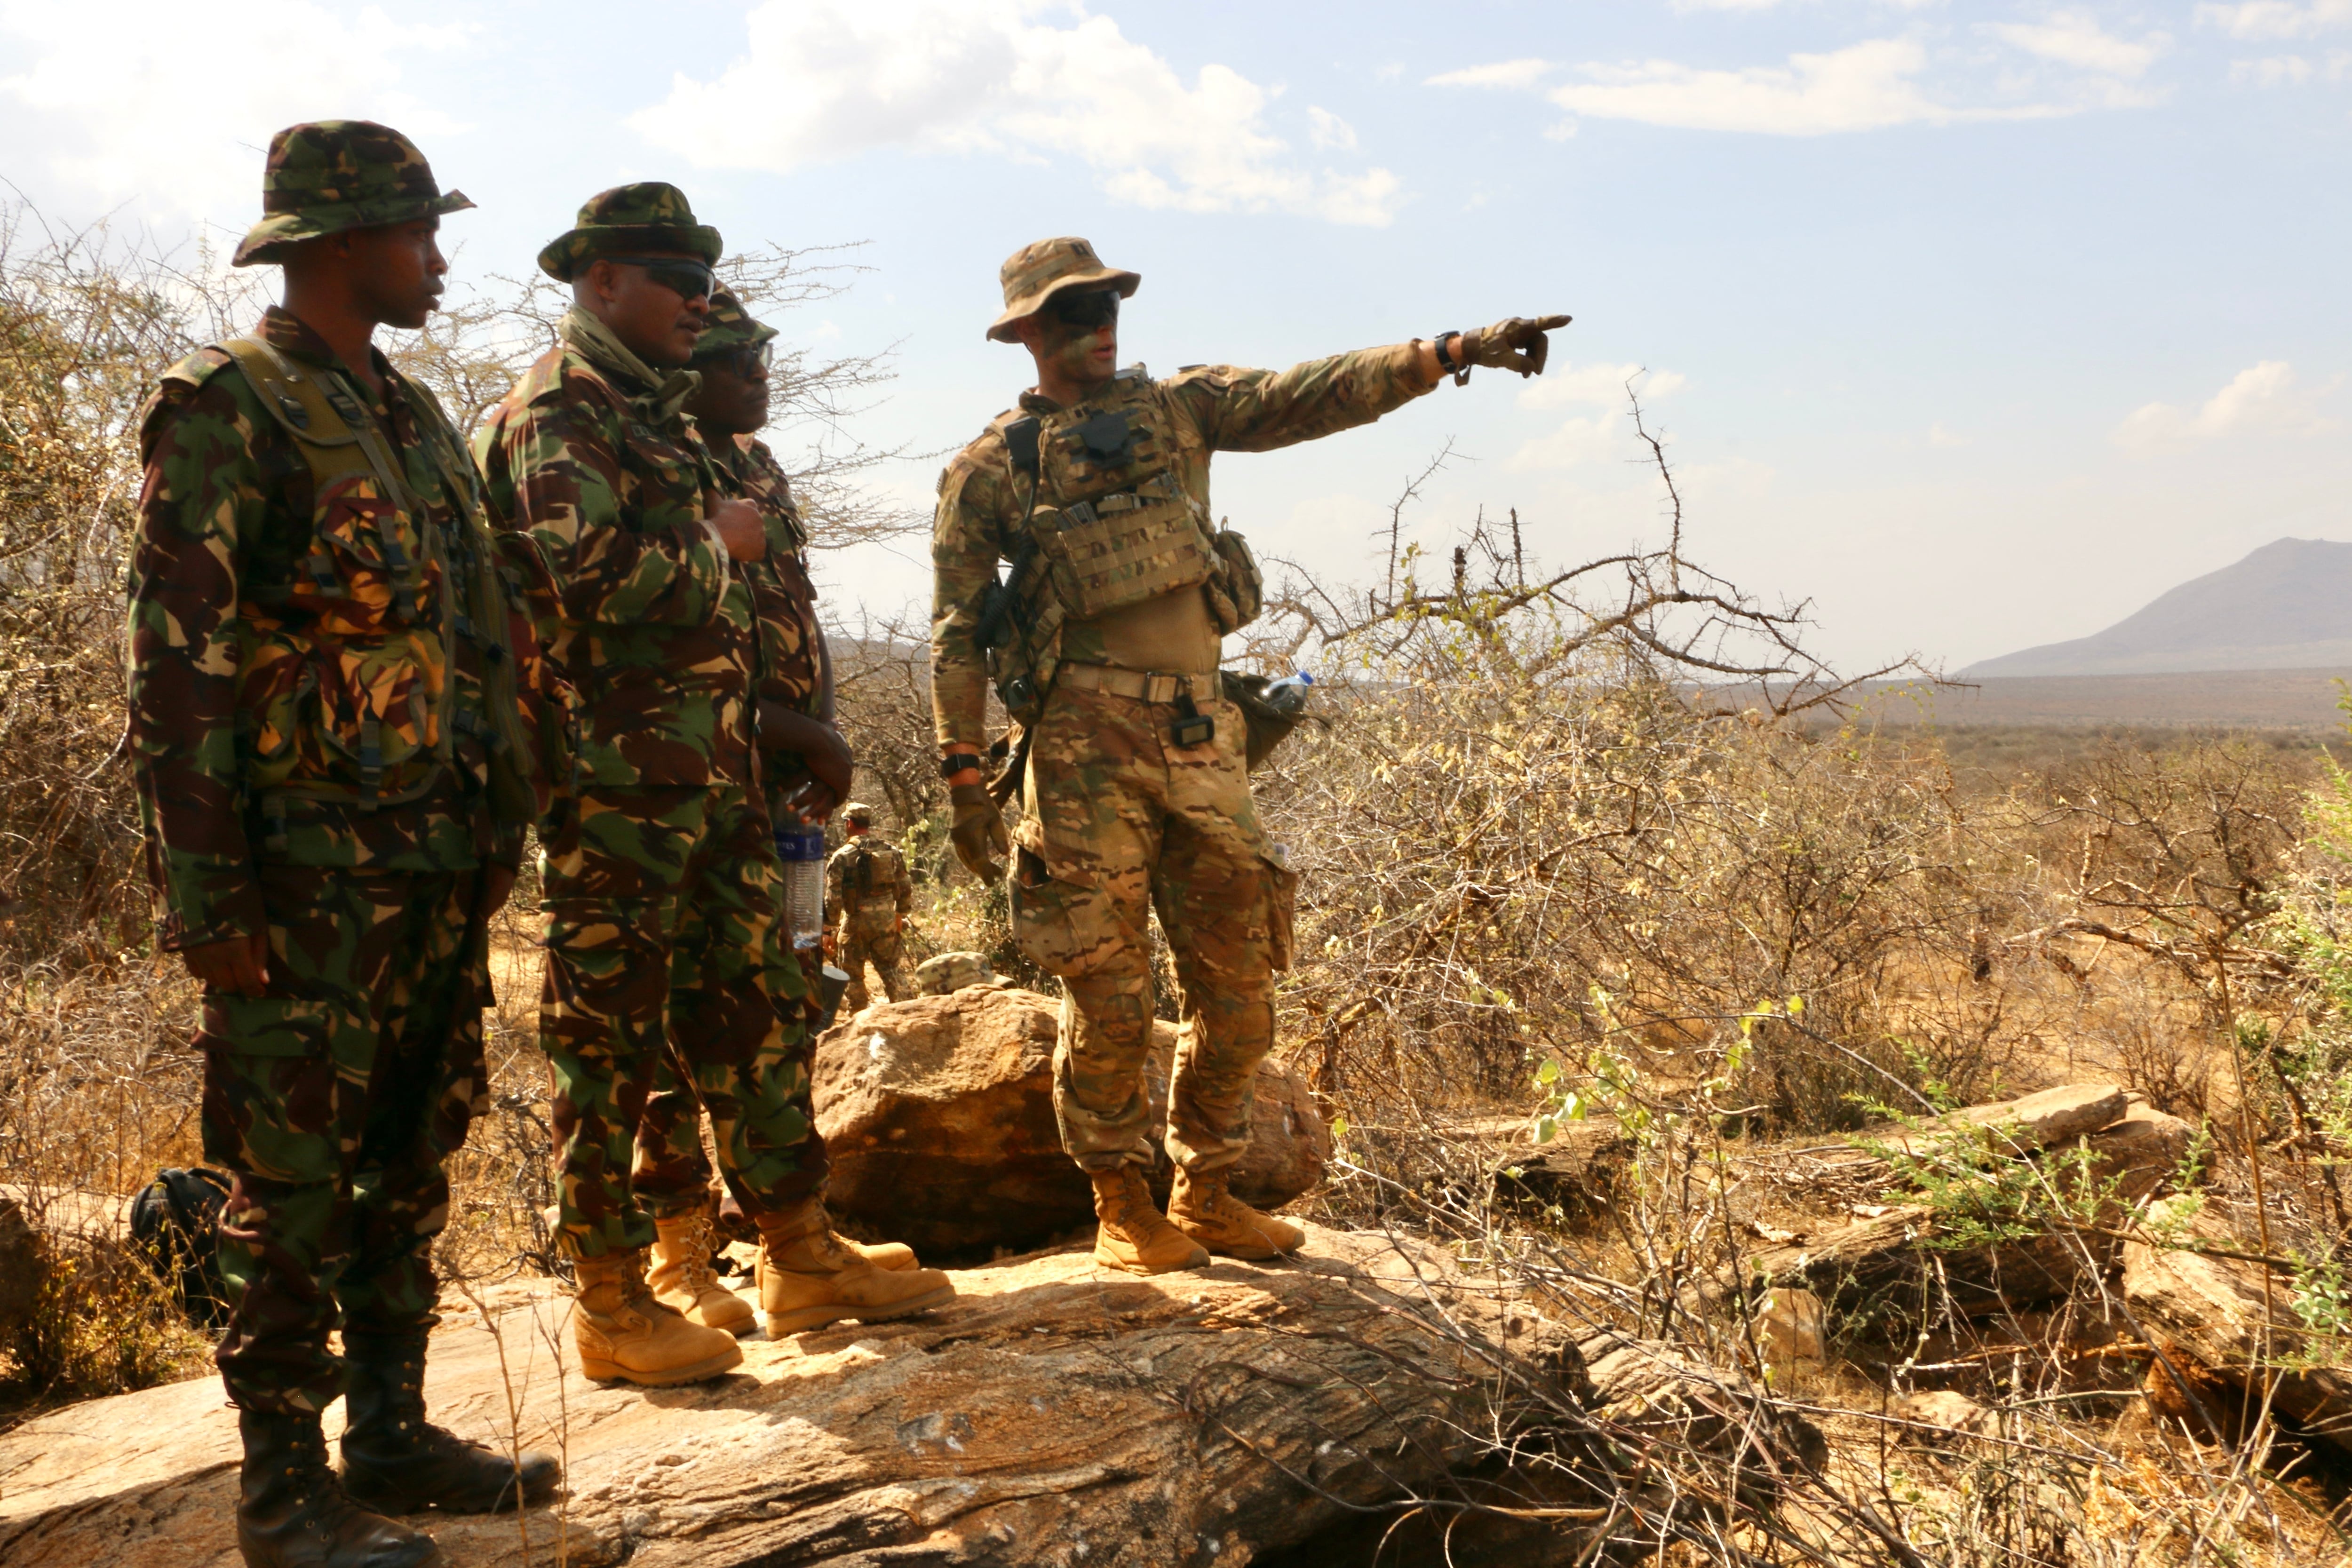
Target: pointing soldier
[1104, 645]
[661, 874]
[867, 891]
[334, 770]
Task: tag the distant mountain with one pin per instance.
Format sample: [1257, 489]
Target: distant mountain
[2286, 606]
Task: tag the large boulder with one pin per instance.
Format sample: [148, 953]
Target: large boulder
[938, 1115]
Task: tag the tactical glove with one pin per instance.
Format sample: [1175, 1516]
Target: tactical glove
[978, 832]
[1516, 345]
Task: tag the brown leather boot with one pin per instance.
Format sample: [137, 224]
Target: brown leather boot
[682, 1280]
[810, 1277]
[625, 1335]
[1202, 1209]
[291, 1513]
[1130, 1233]
[396, 1461]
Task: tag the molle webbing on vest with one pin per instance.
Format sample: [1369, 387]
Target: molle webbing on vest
[340, 441]
[1123, 547]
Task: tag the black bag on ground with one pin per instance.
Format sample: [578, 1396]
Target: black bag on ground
[174, 1221]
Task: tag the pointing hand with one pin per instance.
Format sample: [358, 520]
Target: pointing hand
[1516, 343]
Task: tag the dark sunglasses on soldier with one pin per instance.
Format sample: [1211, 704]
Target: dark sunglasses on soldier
[686, 278]
[749, 361]
[1084, 307]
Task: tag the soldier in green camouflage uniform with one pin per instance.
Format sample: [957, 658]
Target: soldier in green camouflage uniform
[1106, 649]
[867, 891]
[329, 735]
[804, 767]
[660, 876]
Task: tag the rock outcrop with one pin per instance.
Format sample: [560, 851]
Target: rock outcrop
[1056, 1414]
[2217, 1340]
[938, 1115]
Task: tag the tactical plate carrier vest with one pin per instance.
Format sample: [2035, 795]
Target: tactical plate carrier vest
[346, 690]
[1107, 524]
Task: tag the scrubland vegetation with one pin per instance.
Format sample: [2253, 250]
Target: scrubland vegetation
[1551, 878]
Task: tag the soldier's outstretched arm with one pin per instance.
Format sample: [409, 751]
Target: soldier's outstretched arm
[555, 471]
[1258, 410]
[202, 498]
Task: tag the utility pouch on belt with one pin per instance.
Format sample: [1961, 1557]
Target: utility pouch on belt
[1192, 727]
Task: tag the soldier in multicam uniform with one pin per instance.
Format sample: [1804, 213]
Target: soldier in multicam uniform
[334, 757]
[660, 869]
[867, 891]
[805, 769]
[1104, 645]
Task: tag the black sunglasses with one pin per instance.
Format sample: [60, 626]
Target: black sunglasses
[746, 360]
[686, 278]
[1084, 307]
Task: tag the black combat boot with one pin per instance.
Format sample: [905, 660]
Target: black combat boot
[291, 1513]
[395, 1460]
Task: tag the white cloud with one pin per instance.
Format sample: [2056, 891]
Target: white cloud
[1587, 439]
[1563, 387]
[830, 78]
[2291, 70]
[1518, 74]
[1329, 132]
[1939, 436]
[2076, 38]
[1864, 87]
[2259, 19]
[254, 66]
[2263, 399]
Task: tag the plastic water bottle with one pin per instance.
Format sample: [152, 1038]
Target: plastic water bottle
[1289, 695]
[801, 846]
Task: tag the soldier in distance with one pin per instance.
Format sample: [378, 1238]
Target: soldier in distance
[867, 891]
[1104, 645]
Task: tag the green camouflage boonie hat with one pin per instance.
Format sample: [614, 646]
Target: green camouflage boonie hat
[326, 176]
[1045, 267]
[732, 327]
[857, 811]
[647, 215]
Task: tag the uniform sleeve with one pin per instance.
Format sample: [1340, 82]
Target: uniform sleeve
[835, 885]
[556, 473]
[905, 890]
[965, 534]
[1258, 410]
[201, 496]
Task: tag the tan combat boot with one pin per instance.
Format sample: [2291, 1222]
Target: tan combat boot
[810, 1277]
[1202, 1209]
[1130, 1233]
[625, 1335]
[682, 1280]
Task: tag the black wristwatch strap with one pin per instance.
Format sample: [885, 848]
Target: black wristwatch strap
[955, 762]
[1448, 364]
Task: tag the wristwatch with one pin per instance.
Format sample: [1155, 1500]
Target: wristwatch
[955, 762]
[1446, 361]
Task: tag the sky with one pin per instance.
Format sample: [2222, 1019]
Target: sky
[1977, 326]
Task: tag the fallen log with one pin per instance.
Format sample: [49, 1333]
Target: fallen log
[1056, 1414]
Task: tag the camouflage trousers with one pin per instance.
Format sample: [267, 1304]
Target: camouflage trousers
[663, 945]
[334, 1101]
[1121, 821]
[672, 1173]
[885, 950]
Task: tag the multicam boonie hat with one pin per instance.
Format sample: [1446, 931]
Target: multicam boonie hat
[858, 811]
[1045, 267]
[732, 327]
[647, 215]
[950, 971]
[326, 176]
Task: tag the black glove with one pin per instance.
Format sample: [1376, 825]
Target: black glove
[978, 832]
[1517, 344]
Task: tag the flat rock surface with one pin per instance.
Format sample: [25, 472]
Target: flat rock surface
[1056, 1414]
